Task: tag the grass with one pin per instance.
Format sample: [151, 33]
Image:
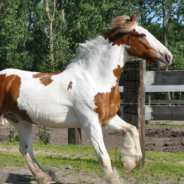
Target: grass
[163, 123]
[159, 165]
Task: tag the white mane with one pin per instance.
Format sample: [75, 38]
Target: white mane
[90, 46]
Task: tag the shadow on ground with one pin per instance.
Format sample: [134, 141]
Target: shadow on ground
[11, 178]
[15, 178]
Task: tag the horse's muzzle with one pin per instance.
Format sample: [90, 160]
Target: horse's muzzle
[168, 58]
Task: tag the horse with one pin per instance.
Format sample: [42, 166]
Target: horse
[84, 95]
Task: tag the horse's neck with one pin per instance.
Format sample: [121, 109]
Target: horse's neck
[102, 60]
[104, 63]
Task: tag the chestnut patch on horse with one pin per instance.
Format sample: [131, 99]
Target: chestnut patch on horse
[45, 78]
[70, 85]
[9, 90]
[108, 103]
[142, 49]
[132, 39]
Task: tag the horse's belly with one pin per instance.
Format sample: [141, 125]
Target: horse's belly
[64, 118]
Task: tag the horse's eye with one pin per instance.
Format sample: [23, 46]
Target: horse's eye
[142, 35]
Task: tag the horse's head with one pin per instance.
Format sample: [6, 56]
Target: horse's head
[138, 41]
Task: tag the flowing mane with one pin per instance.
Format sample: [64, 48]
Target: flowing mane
[85, 49]
[122, 24]
[89, 45]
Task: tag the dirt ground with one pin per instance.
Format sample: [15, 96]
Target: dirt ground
[170, 139]
[157, 139]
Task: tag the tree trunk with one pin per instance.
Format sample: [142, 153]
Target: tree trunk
[165, 28]
[62, 11]
[165, 33]
[51, 35]
[51, 45]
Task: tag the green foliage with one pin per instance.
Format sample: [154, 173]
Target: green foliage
[25, 38]
[13, 34]
[44, 136]
[13, 137]
[178, 53]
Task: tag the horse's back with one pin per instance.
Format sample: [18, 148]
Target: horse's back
[41, 98]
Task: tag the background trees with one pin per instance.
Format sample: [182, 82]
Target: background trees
[43, 35]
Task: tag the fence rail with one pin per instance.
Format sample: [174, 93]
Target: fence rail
[161, 81]
[164, 112]
[166, 102]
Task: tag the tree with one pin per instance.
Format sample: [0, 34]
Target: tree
[13, 34]
[52, 23]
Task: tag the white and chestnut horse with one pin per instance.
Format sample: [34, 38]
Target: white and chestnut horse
[85, 95]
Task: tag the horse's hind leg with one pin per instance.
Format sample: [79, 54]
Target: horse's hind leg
[25, 146]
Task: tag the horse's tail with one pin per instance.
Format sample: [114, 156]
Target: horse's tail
[3, 121]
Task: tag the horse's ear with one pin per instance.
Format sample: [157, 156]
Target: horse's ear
[133, 17]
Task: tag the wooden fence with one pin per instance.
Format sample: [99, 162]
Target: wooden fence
[161, 81]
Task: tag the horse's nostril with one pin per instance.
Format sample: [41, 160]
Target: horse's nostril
[168, 58]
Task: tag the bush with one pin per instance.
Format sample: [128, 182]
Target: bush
[44, 137]
[13, 137]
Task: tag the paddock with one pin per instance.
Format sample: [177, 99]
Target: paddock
[160, 139]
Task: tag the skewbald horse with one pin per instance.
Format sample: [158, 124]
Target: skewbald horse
[85, 95]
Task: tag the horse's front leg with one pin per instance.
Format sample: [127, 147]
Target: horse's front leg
[25, 146]
[89, 121]
[131, 150]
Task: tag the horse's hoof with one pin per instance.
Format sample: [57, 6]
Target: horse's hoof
[130, 164]
[51, 182]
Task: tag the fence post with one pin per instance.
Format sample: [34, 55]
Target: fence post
[74, 136]
[134, 97]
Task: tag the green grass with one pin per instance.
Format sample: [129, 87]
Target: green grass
[163, 123]
[82, 158]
